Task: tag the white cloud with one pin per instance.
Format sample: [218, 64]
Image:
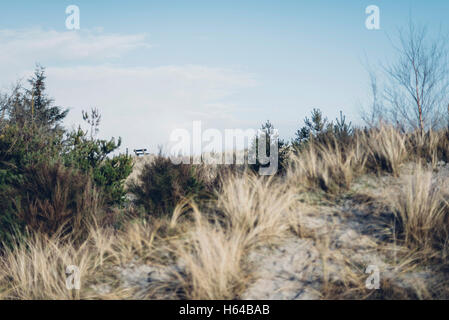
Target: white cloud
[140, 104]
[143, 105]
[67, 45]
[21, 49]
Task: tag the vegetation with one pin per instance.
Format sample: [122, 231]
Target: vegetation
[162, 184]
[343, 196]
[84, 151]
[52, 180]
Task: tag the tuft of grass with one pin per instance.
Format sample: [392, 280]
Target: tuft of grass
[329, 167]
[432, 146]
[35, 269]
[421, 209]
[252, 211]
[213, 261]
[256, 206]
[386, 149]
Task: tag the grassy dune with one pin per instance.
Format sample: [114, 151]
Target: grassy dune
[311, 233]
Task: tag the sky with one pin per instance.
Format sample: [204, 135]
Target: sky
[152, 67]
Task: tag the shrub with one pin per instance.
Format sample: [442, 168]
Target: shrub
[20, 147]
[319, 130]
[55, 200]
[31, 138]
[162, 184]
[91, 155]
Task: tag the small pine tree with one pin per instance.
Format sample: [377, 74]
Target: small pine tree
[343, 130]
[319, 129]
[314, 127]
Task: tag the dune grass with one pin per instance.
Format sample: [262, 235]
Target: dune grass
[210, 242]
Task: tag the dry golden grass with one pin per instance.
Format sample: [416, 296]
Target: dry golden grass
[212, 252]
[35, 269]
[257, 207]
[421, 208]
[425, 146]
[386, 149]
[432, 146]
[255, 210]
[214, 263]
[326, 166]
[211, 243]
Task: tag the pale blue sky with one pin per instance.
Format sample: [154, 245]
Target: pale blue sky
[153, 66]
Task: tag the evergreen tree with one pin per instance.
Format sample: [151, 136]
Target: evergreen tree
[33, 107]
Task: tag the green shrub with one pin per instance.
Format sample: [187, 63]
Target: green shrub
[30, 133]
[9, 224]
[20, 148]
[321, 131]
[162, 184]
[91, 156]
